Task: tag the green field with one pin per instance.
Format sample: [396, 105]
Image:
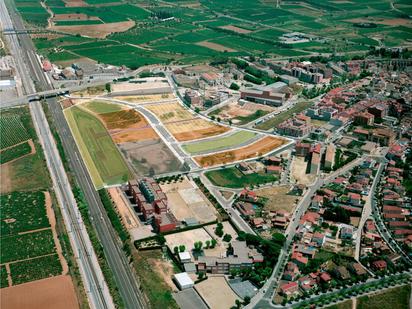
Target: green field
[104, 161]
[216, 144]
[175, 40]
[278, 119]
[12, 131]
[232, 178]
[389, 299]
[102, 107]
[25, 246]
[22, 212]
[14, 152]
[35, 269]
[28, 172]
[3, 277]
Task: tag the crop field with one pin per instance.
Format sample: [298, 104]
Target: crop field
[170, 112]
[12, 131]
[104, 161]
[257, 149]
[27, 242]
[232, 178]
[15, 152]
[22, 212]
[28, 172]
[194, 129]
[215, 144]
[124, 125]
[204, 30]
[3, 277]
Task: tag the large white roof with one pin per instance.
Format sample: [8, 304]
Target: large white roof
[183, 279]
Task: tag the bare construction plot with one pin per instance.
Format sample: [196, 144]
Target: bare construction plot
[187, 238]
[187, 201]
[278, 198]
[217, 293]
[299, 166]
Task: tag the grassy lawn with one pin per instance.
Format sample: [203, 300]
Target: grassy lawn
[232, 178]
[246, 119]
[104, 161]
[154, 286]
[217, 144]
[389, 299]
[102, 107]
[278, 119]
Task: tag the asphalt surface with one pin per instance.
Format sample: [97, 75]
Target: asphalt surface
[116, 258]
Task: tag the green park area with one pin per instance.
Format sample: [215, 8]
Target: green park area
[388, 299]
[232, 178]
[104, 161]
[102, 107]
[221, 143]
[278, 119]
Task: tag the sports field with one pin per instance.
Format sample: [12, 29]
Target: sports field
[104, 161]
[219, 143]
[257, 149]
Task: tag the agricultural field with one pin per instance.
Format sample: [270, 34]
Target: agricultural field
[28, 244]
[259, 148]
[193, 129]
[236, 139]
[133, 35]
[388, 299]
[232, 178]
[104, 161]
[21, 157]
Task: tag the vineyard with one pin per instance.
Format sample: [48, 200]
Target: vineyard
[15, 152]
[12, 131]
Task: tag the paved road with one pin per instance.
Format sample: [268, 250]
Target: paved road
[117, 260]
[92, 276]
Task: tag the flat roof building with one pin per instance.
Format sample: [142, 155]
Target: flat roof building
[183, 281]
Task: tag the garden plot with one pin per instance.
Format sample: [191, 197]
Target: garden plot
[99, 31]
[187, 201]
[147, 98]
[194, 129]
[257, 149]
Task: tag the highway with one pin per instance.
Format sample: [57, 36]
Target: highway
[92, 276]
[117, 260]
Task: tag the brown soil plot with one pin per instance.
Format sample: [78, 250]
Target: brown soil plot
[99, 31]
[259, 148]
[215, 46]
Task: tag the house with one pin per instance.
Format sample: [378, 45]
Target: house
[257, 222]
[342, 273]
[346, 232]
[318, 239]
[379, 265]
[302, 149]
[290, 288]
[183, 281]
[317, 202]
[248, 195]
[245, 208]
[357, 269]
[325, 277]
[364, 118]
[273, 161]
[273, 169]
[355, 199]
[291, 271]
[299, 259]
[185, 257]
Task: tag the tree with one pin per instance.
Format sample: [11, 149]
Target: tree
[227, 237]
[246, 300]
[279, 238]
[108, 87]
[207, 244]
[198, 246]
[182, 248]
[234, 86]
[176, 250]
[230, 122]
[213, 244]
[197, 109]
[219, 229]
[213, 117]
[200, 275]
[218, 119]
